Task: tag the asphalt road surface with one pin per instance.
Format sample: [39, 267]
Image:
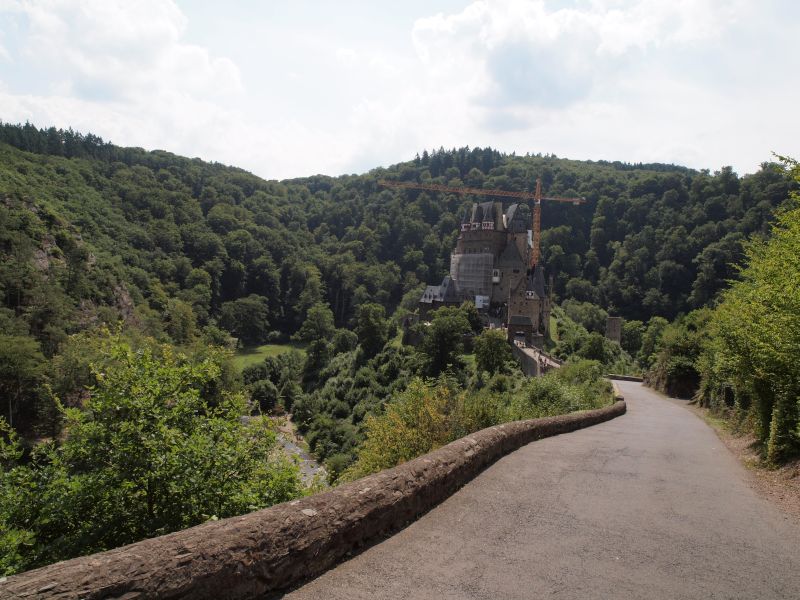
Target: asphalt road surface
[649, 505]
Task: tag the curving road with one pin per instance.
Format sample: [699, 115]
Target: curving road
[649, 505]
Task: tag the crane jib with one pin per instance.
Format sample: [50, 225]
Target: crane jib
[537, 198]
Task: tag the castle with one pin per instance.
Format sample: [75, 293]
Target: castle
[489, 267]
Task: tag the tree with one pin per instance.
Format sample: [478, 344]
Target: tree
[372, 328]
[265, 394]
[443, 340]
[318, 325]
[756, 337]
[591, 316]
[675, 369]
[318, 355]
[146, 455]
[344, 340]
[416, 421]
[246, 319]
[492, 351]
[594, 348]
[473, 316]
[632, 332]
[181, 324]
[650, 339]
[21, 372]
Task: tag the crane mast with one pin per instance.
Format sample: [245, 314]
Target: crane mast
[536, 197]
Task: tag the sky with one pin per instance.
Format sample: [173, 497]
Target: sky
[295, 88]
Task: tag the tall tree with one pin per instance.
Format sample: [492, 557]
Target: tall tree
[492, 352]
[443, 340]
[372, 328]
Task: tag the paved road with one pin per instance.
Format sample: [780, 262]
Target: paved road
[649, 505]
[544, 359]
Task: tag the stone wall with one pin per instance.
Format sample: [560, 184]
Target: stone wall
[528, 364]
[623, 377]
[531, 365]
[273, 549]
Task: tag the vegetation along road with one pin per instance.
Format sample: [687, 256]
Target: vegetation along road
[649, 505]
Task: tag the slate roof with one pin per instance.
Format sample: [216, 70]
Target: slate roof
[510, 256]
[515, 222]
[446, 292]
[536, 281]
[449, 289]
[510, 213]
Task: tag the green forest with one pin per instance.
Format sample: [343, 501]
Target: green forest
[133, 283]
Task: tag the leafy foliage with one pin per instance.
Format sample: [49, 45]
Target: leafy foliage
[740, 359]
[195, 254]
[186, 251]
[146, 455]
[443, 339]
[492, 352]
[426, 416]
[414, 423]
[674, 369]
[756, 338]
[574, 340]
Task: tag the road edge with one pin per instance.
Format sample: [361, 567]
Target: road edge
[273, 549]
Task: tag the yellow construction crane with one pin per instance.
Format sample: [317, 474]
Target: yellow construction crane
[537, 198]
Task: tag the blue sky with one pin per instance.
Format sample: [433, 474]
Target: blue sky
[295, 88]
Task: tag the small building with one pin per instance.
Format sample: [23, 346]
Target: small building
[614, 329]
[434, 296]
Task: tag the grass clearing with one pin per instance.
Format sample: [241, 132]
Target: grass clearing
[472, 364]
[553, 328]
[251, 356]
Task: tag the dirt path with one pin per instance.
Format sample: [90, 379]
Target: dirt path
[649, 505]
[311, 471]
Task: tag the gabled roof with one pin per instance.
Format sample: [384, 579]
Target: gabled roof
[515, 222]
[511, 212]
[449, 289]
[510, 256]
[446, 292]
[536, 282]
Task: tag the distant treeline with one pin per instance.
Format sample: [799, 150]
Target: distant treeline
[186, 250]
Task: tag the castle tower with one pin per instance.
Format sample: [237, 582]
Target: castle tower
[528, 313]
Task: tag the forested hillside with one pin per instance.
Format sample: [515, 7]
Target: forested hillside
[739, 358]
[129, 277]
[184, 250]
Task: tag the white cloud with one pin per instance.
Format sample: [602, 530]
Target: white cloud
[121, 70]
[118, 49]
[519, 52]
[637, 80]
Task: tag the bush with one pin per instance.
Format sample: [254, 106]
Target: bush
[146, 455]
[265, 395]
[428, 415]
